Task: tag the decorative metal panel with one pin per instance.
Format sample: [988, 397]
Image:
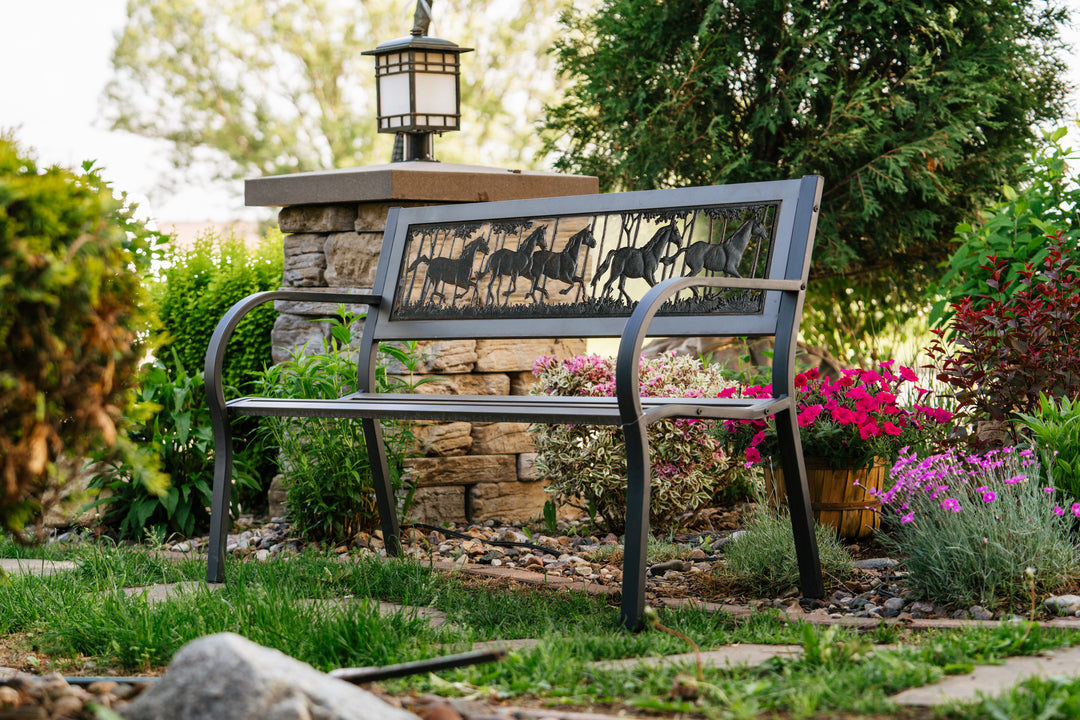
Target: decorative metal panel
[584, 265]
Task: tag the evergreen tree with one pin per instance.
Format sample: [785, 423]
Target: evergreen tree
[915, 113]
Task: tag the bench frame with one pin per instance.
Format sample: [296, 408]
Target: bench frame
[780, 290]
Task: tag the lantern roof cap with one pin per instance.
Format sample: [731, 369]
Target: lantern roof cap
[414, 42]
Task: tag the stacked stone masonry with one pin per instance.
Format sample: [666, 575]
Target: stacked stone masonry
[467, 471]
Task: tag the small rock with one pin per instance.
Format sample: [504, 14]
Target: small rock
[9, 697]
[663, 567]
[182, 547]
[440, 711]
[491, 555]
[1063, 604]
[895, 603]
[102, 686]
[67, 706]
[262, 555]
[696, 554]
[511, 535]
[977, 612]
[922, 607]
[583, 571]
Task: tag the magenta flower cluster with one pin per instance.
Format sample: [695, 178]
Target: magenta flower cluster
[860, 416]
[949, 481]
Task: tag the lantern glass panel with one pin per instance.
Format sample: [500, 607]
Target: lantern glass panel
[436, 93]
[394, 94]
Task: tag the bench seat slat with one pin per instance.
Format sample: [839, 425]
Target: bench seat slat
[525, 408]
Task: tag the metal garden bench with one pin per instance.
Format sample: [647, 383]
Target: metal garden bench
[720, 260]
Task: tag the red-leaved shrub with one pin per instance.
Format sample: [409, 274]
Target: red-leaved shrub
[1005, 347]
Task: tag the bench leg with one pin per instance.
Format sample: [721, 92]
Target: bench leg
[802, 516]
[636, 542]
[384, 489]
[219, 504]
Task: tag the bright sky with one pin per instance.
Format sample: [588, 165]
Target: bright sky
[55, 61]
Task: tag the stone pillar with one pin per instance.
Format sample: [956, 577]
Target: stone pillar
[334, 222]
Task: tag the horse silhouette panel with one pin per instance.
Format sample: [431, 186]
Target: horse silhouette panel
[637, 262]
[723, 257]
[456, 271]
[562, 265]
[513, 263]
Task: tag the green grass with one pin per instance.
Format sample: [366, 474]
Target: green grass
[85, 614]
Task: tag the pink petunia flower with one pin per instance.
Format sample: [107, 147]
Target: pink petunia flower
[1059, 511]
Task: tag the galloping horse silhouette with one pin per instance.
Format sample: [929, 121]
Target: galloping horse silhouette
[515, 263]
[724, 256]
[455, 271]
[634, 262]
[560, 265]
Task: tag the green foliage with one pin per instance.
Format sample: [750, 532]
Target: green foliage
[914, 114]
[327, 472]
[199, 284]
[1014, 229]
[971, 526]
[73, 320]
[272, 88]
[588, 462]
[171, 420]
[1055, 430]
[762, 561]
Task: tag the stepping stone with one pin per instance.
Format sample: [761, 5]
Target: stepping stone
[993, 679]
[25, 566]
[162, 592]
[744, 654]
[518, 644]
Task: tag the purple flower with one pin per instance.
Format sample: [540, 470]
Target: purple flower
[1059, 511]
[1076, 509]
[907, 518]
[951, 504]
[989, 496]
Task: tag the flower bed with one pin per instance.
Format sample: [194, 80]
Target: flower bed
[979, 528]
[862, 416]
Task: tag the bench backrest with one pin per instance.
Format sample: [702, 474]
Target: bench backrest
[576, 266]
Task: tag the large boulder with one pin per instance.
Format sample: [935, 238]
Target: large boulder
[228, 676]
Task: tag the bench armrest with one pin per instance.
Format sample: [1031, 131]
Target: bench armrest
[215, 351]
[627, 385]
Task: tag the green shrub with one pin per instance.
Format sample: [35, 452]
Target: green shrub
[589, 461]
[73, 317]
[762, 561]
[327, 473]
[1013, 230]
[199, 284]
[195, 289]
[171, 420]
[970, 526]
[1054, 429]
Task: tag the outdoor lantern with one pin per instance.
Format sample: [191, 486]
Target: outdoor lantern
[418, 90]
